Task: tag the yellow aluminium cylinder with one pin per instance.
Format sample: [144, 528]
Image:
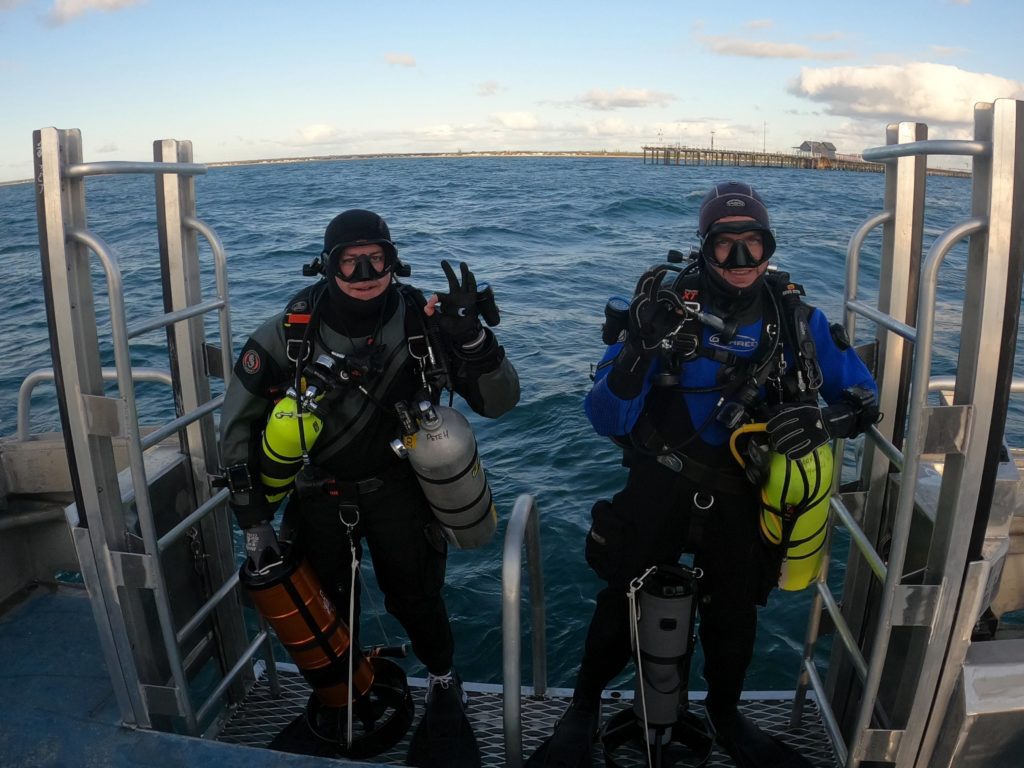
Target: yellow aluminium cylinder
[798, 491]
[283, 439]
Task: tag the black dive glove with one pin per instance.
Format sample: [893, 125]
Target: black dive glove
[261, 546]
[458, 314]
[651, 320]
[797, 430]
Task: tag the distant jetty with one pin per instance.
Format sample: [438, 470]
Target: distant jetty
[680, 155]
[456, 154]
[657, 155]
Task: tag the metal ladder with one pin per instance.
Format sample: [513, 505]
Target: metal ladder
[153, 540]
[919, 574]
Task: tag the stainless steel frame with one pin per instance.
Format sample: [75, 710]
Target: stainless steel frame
[154, 541]
[915, 583]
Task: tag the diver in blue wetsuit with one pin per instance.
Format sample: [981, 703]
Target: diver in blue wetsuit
[705, 350]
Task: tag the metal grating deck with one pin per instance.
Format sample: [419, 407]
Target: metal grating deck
[260, 717]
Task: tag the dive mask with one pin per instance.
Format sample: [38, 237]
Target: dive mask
[364, 268]
[739, 256]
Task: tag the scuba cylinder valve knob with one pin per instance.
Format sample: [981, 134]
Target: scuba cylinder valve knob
[443, 454]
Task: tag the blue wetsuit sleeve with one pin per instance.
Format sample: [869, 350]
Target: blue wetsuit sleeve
[609, 414]
[840, 368]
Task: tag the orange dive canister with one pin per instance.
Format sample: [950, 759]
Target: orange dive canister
[289, 596]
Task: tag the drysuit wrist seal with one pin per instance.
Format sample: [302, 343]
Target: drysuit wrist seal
[864, 403]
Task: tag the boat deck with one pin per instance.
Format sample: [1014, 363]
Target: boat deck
[57, 707]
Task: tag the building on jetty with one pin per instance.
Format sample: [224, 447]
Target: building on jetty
[680, 155]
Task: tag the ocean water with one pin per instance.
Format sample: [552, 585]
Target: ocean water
[555, 237]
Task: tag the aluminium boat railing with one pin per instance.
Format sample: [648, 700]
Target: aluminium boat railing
[150, 683]
[523, 525]
[928, 610]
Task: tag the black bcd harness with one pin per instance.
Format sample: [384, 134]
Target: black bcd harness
[431, 363]
[740, 379]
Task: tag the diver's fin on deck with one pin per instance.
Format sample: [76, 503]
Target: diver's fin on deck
[444, 737]
[750, 747]
[572, 743]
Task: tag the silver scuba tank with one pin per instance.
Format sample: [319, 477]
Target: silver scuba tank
[444, 456]
[664, 633]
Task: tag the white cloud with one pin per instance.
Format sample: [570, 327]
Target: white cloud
[64, 11]
[488, 88]
[623, 98]
[760, 24]
[946, 51]
[400, 59]
[758, 49]
[919, 91]
[107, 149]
[318, 134]
[516, 121]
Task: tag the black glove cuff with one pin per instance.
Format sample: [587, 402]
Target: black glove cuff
[486, 357]
[857, 411]
[841, 420]
[626, 378]
[249, 515]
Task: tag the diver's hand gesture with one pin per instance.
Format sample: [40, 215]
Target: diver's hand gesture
[651, 318]
[797, 430]
[458, 313]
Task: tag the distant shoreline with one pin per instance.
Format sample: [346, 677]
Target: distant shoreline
[397, 155]
[600, 153]
[433, 155]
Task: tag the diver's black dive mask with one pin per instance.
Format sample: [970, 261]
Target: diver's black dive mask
[739, 256]
[366, 268]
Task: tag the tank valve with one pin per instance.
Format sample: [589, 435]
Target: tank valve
[428, 416]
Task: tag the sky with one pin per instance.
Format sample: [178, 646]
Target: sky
[297, 78]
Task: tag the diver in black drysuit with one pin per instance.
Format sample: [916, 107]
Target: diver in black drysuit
[685, 492]
[362, 314]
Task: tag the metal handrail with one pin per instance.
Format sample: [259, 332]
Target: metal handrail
[915, 436]
[115, 167]
[136, 461]
[522, 523]
[969, 147]
[220, 266]
[921, 336]
[40, 375]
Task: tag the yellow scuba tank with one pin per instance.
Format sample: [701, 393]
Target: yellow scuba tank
[444, 457]
[281, 457]
[795, 509]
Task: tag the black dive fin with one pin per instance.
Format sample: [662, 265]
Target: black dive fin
[572, 743]
[750, 747]
[444, 738]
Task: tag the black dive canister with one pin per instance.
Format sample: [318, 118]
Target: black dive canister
[616, 320]
[289, 596]
[664, 635]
